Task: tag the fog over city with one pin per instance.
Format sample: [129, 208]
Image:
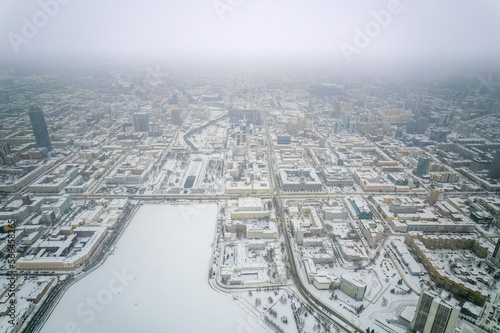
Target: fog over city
[448, 34]
[287, 166]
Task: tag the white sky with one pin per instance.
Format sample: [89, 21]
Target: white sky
[423, 32]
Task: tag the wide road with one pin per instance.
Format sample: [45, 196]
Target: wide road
[211, 197]
[335, 318]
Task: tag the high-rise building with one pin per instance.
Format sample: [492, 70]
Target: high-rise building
[302, 123]
[444, 119]
[496, 253]
[337, 127]
[399, 133]
[434, 315]
[352, 128]
[423, 166]
[175, 115]
[494, 170]
[439, 135]
[435, 195]
[40, 128]
[291, 127]
[353, 287]
[141, 122]
[4, 150]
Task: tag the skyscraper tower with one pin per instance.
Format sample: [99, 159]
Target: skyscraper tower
[494, 170]
[496, 252]
[141, 122]
[423, 166]
[433, 315]
[40, 127]
[175, 115]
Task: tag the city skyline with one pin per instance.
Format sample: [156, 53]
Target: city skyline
[250, 166]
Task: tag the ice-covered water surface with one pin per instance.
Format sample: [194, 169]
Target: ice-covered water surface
[156, 281]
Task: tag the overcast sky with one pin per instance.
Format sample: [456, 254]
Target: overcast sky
[435, 32]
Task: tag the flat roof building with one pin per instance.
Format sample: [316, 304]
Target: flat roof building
[353, 287]
[301, 180]
[433, 315]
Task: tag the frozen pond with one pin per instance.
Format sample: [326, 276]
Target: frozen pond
[156, 281]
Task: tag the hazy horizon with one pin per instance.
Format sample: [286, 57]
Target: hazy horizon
[405, 34]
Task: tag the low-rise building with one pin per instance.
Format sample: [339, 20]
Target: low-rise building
[300, 180]
[370, 181]
[63, 252]
[308, 224]
[466, 286]
[336, 176]
[372, 231]
[248, 217]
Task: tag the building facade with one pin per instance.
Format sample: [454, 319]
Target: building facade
[141, 122]
[423, 166]
[39, 126]
[434, 315]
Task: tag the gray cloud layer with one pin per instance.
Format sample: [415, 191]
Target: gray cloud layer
[425, 31]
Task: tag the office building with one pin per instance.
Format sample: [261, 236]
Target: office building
[175, 115]
[496, 253]
[303, 179]
[40, 128]
[4, 149]
[423, 166]
[284, 139]
[399, 133]
[439, 135]
[141, 122]
[433, 315]
[352, 128]
[478, 165]
[435, 195]
[154, 130]
[353, 287]
[494, 170]
[5, 153]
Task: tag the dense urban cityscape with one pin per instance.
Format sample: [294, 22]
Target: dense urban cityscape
[282, 166]
[340, 203]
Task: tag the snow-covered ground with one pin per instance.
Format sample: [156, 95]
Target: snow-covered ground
[379, 303]
[156, 281]
[278, 307]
